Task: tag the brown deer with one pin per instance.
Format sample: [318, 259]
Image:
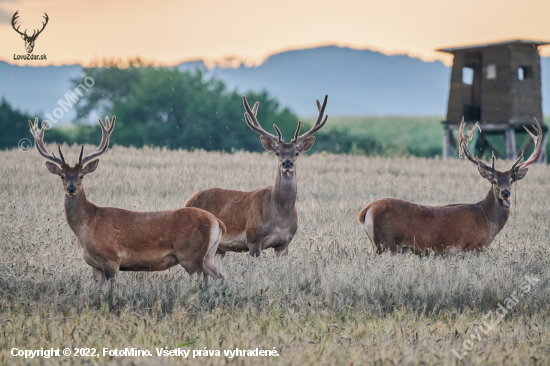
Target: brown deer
[112, 239]
[399, 225]
[267, 217]
[29, 40]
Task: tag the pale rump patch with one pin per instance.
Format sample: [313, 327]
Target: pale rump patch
[368, 227]
[215, 236]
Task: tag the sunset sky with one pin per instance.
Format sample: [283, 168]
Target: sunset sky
[169, 32]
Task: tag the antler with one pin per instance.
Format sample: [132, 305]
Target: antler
[106, 131]
[536, 151]
[318, 124]
[13, 20]
[464, 150]
[43, 26]
[297, 133]
[252, 122]
[38, 135]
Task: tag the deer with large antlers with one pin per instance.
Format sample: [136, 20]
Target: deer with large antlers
[112, 239]
[267, 217]
[29, 40]
[399, 226]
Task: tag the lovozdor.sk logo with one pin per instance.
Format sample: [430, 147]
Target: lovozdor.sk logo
[29, 40]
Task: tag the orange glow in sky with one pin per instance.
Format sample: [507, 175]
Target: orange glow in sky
[169, 32]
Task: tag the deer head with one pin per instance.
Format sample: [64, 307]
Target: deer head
[72, 176]
[287, 153]
[29, 40]
[501, 181]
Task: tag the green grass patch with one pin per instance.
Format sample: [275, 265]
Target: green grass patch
[383, 135]
[391, 136]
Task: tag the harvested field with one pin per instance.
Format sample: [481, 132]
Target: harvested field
[329, 302]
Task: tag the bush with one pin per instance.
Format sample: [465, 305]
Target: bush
[163, 106]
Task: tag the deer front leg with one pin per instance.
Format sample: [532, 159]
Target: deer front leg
[110, 271]
[254, 249]
[98, 276]
[282, 250]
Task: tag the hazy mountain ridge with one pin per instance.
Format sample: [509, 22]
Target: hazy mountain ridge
[37, 89]
[358, 82]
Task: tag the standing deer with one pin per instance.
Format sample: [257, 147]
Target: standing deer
[267, 217]
[112, 239]
[399, 225]
[29, 40]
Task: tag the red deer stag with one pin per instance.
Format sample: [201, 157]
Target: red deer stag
[112, 239]
[400, 225]
[267, 217]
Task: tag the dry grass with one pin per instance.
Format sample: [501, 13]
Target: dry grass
[329, 302]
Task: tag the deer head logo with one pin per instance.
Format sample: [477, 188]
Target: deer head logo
[29, 40]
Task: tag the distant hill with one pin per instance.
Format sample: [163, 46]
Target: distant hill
[358, 82]
[36, 90]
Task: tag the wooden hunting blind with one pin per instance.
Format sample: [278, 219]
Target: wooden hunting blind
[499, 86]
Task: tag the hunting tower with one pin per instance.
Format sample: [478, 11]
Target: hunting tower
[499, 85]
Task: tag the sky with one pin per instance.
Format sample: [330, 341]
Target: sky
[169, 32]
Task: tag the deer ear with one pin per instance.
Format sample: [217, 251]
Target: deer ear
[306, 144]
[91, 167]
[520, 174]
[269, 144]
[54, 169]
[485, 172]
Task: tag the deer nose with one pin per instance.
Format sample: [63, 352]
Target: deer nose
[71, 189]
[287, 164]
[505, 193]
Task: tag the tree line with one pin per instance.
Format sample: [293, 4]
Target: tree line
[164, 106]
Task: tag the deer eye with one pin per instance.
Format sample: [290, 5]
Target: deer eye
[81, 177]
[494, 181]
[297, 154]
[277, 153]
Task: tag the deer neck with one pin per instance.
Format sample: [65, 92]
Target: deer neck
[78, 211]
[495, 214]
[285, 190]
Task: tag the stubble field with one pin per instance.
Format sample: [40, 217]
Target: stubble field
[330, 302]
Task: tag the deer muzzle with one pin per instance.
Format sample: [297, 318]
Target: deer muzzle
[505, 197]
[288, 165]
[71, 189]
